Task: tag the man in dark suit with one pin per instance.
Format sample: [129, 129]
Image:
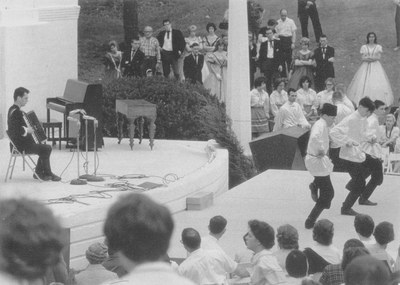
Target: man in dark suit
[172, 44]
[132, 60]
[270, 59]
[20, 135]
[308, 9]
[324, 57]
[193, 65]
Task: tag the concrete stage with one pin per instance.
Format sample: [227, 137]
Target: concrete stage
[282, 197]
[186, 167]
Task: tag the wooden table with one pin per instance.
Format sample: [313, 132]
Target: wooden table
[133, 109]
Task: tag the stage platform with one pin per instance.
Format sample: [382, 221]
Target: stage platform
[282, 197]
[183, 168]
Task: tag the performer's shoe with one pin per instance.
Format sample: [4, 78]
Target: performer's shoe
[314, 191]
[55, 177]
[43, 177]
[366, 202]
[309, 224]
[348, 212]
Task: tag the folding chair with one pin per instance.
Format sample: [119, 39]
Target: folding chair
[385, 158]
[393, 158]
[13, 157]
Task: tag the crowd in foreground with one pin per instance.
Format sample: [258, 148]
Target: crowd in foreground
[137, 236]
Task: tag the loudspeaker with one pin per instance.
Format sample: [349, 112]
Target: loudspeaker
[283, 149]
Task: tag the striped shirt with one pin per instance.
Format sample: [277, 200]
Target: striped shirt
[150, 47]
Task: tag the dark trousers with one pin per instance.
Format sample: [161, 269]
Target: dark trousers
[356, 185]
[149, 62]
[43, 163]
[339, 164]
[397, 22]
[169, 60]
[270, 74]
[326, 191]
[286, 54]
[372, 167]
[311, 13]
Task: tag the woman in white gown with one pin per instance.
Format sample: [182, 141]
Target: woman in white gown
[371, 79]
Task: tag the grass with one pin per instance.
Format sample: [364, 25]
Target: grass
[345, 22]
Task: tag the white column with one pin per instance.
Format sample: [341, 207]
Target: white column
[38, 50]
[237, 99]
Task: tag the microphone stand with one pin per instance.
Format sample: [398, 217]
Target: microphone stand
[94, 178]
[86, 176]
[78, 181]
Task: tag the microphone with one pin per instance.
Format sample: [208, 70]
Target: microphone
[88, 118]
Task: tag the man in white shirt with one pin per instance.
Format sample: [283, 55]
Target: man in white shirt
[286, 30]
[349, 134]
[140, 229]
[290, 114]
[342, 112]
[217, 228]
[318, 163]
[206, 266]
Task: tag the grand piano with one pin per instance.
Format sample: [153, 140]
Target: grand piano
[80, 95]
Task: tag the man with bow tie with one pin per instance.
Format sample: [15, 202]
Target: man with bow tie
[132, 60]
[270, 58]
[324, 58]
[193, 64]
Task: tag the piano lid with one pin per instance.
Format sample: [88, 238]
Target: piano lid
[75, 90]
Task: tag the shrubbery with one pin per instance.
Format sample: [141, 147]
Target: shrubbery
[184, 112]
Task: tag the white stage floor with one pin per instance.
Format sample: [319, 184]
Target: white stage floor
[282, 197]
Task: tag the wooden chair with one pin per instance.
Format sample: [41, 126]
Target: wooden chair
[13, 157]
[392, 158]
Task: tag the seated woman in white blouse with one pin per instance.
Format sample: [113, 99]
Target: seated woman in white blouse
[325, 96]
[278, 97]
[307, 97]
[390, 132]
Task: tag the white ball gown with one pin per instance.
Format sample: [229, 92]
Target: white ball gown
[371, 79]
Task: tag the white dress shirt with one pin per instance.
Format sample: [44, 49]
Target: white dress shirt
[167, 41]
[317, 162]
[290, 115]
[285, 28]
[276, 100]
[210, 243]
[374, 149]
[348, 103]
[309, 98]
[342, 112]
[207, 267]
[351, 129]
[323, 97]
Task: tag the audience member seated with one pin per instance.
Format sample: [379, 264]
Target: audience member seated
[364, 226]
[290, 114]
[259, 103]
[245, 255]
[333, 274]
[307, 98]
[366, 270]
[140, 230]
[296, 265]
[390, 132]
[217, 228]
[383, 234]
[31, 241]
[266, 269]
[206, 266]
[288, 239]
[113, 263]
[325, 96]
[346, 101]
[397, 263]
[95, 273]
[278, 97]
[322, 253]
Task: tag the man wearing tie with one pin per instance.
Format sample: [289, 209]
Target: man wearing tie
[270, 58]
[193, 65]
[324, 58]
[172, 45]
[132, 60]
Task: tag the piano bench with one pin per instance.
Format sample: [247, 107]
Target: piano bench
[51, 125]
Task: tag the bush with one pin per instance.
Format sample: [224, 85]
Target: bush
[184, 112]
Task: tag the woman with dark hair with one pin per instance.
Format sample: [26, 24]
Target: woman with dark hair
[371, 80]
[260, 240]
[322, 253]
[209, 43]
[303, 65]
[259, 103]
[297, 267]
[112, 62]
[307, 97]
[30, 241]
[278, 97]
[288, 239]
[216, 81]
